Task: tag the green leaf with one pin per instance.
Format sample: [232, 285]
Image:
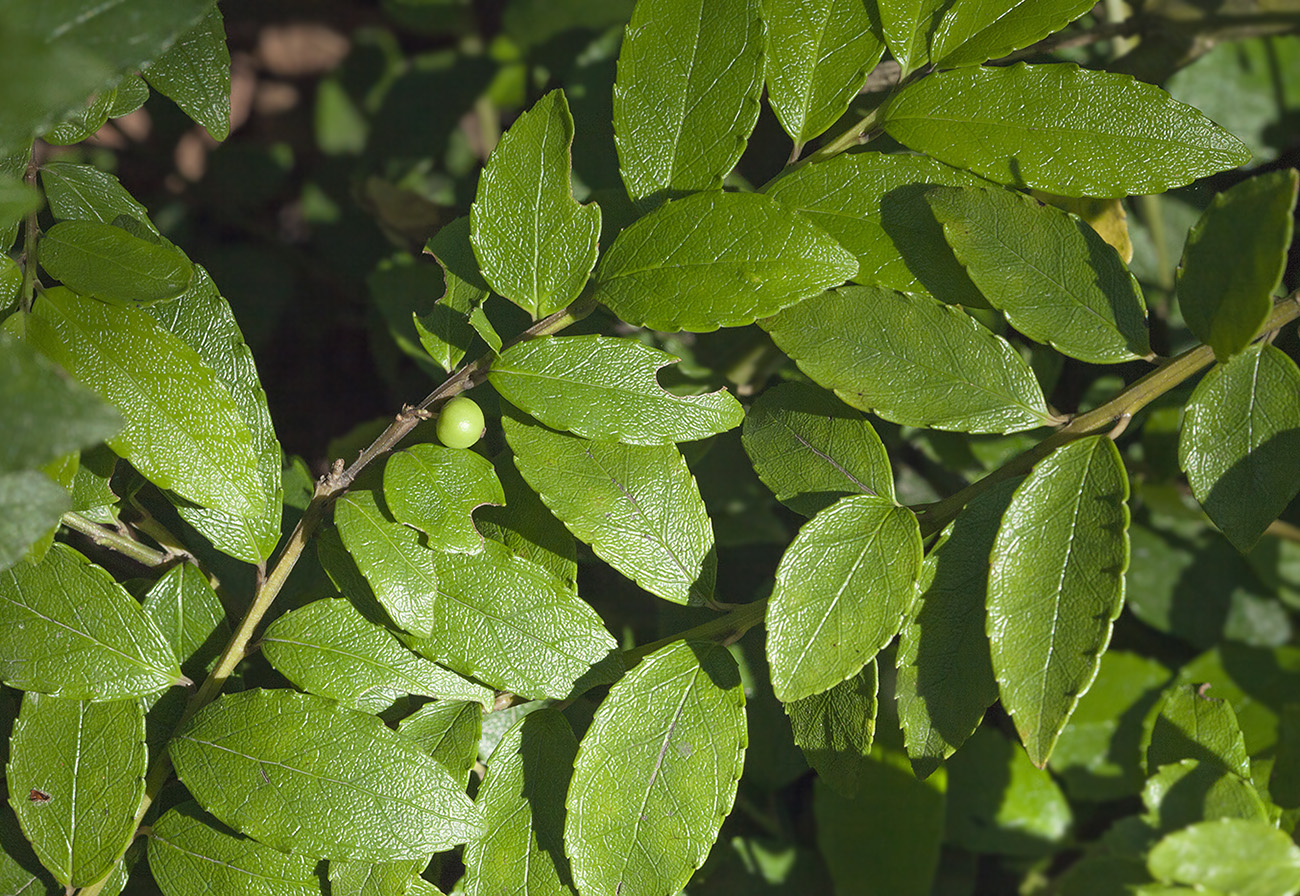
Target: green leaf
[66, 628]
[973, 31]
[687, 94]
[17, 201]
[1056, 585]
[1241, 434]
[874, 204]
[449, 732]
[513, 626]
[110, 264]
[375, 879]
[912, 360]
[835, 728]
[906, 26]
[717, 260]
[1062, 129]
[656, 772]
[394, 559]
[190, 616]
[522, 799]
[195, 74]
[528, 529]
[84, 762]
[840, 594]
[183, 430]
[446, 332]
[131, 93]
[46, 414]
[1244, 858]
[637, 506]
[85, 193]
[436, 489]
[303, 774]
[190, 854]
[999, 803]
[818, 57]
[945, 676]
[1185, 792]
[1234, 260]
[202, 318]
[811, 450]
[1056, 280]
[1191, 725]
[887, 839]
[330, 649]
[83, 121]
[534, 242]
[31, 504]
[604, 388]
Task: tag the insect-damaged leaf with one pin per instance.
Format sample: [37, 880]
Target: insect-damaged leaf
[436, 489]
[303, 774]
[656, 772]
[1056, 584]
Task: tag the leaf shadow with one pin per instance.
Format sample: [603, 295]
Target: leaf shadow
[1241, 503]
[909, 221]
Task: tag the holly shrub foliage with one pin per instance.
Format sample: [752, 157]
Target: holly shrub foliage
[848, 518]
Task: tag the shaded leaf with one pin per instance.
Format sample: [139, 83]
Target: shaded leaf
[195, 74]
[1241, 434]
[306, 775]
[1185, 792]
[717, 260]
[906, 26]
[31, 505]
[449, 732]
[604, 388]
[911, 360]
[657, 772]
[190, 617]
[840, 594]
[436, 490]
[1056, 585]
[111, 264]
[834, 729]
[973, 31]
[1193, 725]
[1061, 128]
[446, 332]
[527, 528]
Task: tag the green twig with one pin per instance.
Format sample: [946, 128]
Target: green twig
[31, 238]
[725, 629]
[117, 542]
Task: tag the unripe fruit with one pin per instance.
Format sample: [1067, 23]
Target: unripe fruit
[460, 423]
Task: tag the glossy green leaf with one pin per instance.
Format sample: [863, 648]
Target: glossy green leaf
[887, 838]
[605, 388]
[657, 772]
[1056, 585]
[1185, 792]
[1056, 280]
[687, 94]
[945, 676]
[874, 204]
[912, 360]
[46, 415]
[1234, 260]
[88, 759]
[31, 504]
[191, 854]
[999, 803]
[190, 616]
[394, 559]
[835, 729]
[513, 626]
[1241, 435]
[810, 449]
[528, 529]
[11, 276]
[85, 193]
[818, 57]
[132, 93]
[1193, 725]
[637, 506]
[330, 649]
[111, 264]
[1061, 128]
[973, 31]
[66, 628]
[841, 591]
[1099, 756]
[906, 26]
[522, 799]
[84, 121]
[445, 331]
[717, 260]
[375, 879]
[534, 243]
[436, 489]
[202, 318]
[183, 430]
[17, 201]
[195, 74]
[306, 775]
[449, 732]
[1244, 858]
